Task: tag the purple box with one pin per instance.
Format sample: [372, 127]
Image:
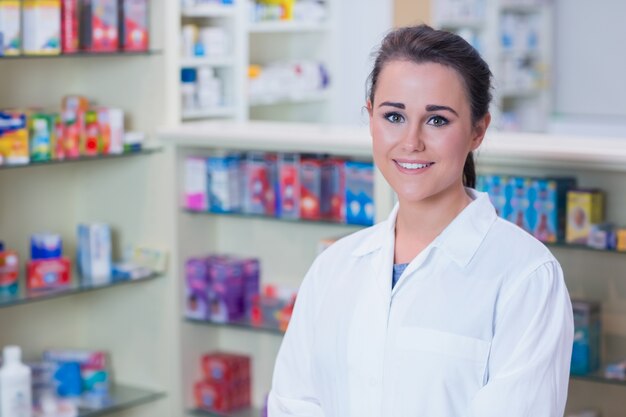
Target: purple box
[251, 283]
[197, 286]
[226, 290]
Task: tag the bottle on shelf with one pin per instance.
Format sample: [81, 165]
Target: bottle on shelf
[15, 385]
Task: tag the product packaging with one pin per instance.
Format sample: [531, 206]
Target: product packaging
[10, 27]
[224, 184]
[73, 113]
[522, 208]
[602, 237]
[499, 189]
[620, 235]
[197, 289]
[13, 138]
[70, 19]
[42, 27]
[258, 190]
[82, 372]
[46, 246]
[133, 21]
[42, 129]
[111, 128]
[333, 190]
[196, 188]
[547, 218]
[289, 185]
[94, 253]
[310, 188]
[226, 290]
[226, 385]
[99, 25]
[360, 193]
[584, 208]
[9, 272]
[48, 274]
[586, 349]
[15, 385]
[91, 144]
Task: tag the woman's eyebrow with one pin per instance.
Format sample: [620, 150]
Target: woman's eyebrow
[436, 107]
[392, 104]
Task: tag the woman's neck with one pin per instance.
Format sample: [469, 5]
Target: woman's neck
[419, 223]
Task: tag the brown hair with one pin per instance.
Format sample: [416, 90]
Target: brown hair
[423, 44]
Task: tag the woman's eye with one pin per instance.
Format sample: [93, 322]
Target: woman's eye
[394, 117]
[437, 121]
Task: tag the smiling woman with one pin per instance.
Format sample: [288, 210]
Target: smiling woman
[444, 309]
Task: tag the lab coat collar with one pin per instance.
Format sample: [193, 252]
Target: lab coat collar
[459, 240]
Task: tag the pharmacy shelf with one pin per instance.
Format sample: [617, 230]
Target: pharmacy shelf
[195, 62]
[207, 113]
[209, 10]
[26, 297]
[519, 92]
[520, 8]
[143, 151]
[309, 97]
[346, 141]
[82, 54]
[274, 218]
[240, 325]
[291, 26]
[531, 150]
[248, 412]
[462, 24]
[121, 397]
[571, 246]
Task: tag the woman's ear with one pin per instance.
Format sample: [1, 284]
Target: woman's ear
[479, 131]
[368, 106]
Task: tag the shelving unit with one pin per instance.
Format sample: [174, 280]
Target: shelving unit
[82, 55]
[122, 398]
[522, 97]
[253, 412]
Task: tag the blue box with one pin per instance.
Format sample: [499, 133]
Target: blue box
[587, 326]
[224, 183]
[360, 193]
[522, 202]
[498, 188]
[549, 203]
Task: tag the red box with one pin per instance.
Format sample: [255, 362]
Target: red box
[46, 274]
[99, 26]
[69, 26]
[289, 186]
[310, 188]
[134, 25]
[226, 386]
[212, 396]
[333, 194]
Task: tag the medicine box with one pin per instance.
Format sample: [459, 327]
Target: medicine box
[586, 349]
[224, 183]
[333, 198]
[359, 193]
[522, 206]
[584, 208]
[196, 188]
[197, 288]
[14, 147]
[310, 188]
[99, 25]
[42, 27]
[548, 197]
[94, 253]
[48, 274]
[69, 26]
[9, 272]
[10, 27]
[499, 190]
[289, 185]
[258, 189]
[134, 25]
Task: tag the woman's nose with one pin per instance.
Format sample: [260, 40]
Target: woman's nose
[413, 141]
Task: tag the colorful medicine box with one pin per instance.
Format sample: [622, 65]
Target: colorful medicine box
[99, 25]
[196, 188]
[499, 190]
[134, 25]
[548, 198]
[226, 290]
[289, 185]
[586, 349]
[522, 208]
[42, 136]
[94, 253]
[333, 198]
[48, 274]
[46, 246]
[224, 184]
[10, 27]
[620, 235]
[584, 208]
[197, 289]
[9, 272]
[310, 188]
[42, 27]
[258, 190]
[111, 129]
[14, 149]
[360, 193]
[70, 41]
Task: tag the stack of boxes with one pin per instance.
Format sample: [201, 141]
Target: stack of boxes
[47, 269]
[226, 383]
[586, 349]
[51, 27]
[221, 288]
[284, 185]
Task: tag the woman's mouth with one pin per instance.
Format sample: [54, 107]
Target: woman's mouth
[413, 167]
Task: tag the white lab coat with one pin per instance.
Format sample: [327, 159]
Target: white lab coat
[479, 325]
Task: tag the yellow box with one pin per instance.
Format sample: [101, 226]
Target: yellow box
[621, 240]
[584, 208]
[13, 138]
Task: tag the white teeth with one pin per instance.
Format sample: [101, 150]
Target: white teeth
[413, 166]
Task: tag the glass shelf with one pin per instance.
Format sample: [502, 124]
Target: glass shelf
[243, 325]
[249, 412]
[569, 246]
[280, 219]
[76, 288]
[599, 377]
[144, 151]
[82, 55]
[121, 398]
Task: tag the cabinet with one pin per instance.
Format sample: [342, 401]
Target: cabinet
[131, 322]
[284, 53]
[515, 38]
[589, 273]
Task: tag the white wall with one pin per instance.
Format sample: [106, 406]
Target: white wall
[589, 61]
[360, 25]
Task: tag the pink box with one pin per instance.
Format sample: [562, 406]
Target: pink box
[196, 184]
[310, 188]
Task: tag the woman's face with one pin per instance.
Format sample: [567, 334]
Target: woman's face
[422, 129]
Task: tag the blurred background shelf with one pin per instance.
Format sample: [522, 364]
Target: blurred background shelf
[209, 10]
[83, 55]
[242, 325]
[76, 288]
[122, 397]
[288, 26]
[250, 412]
[226, 61]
